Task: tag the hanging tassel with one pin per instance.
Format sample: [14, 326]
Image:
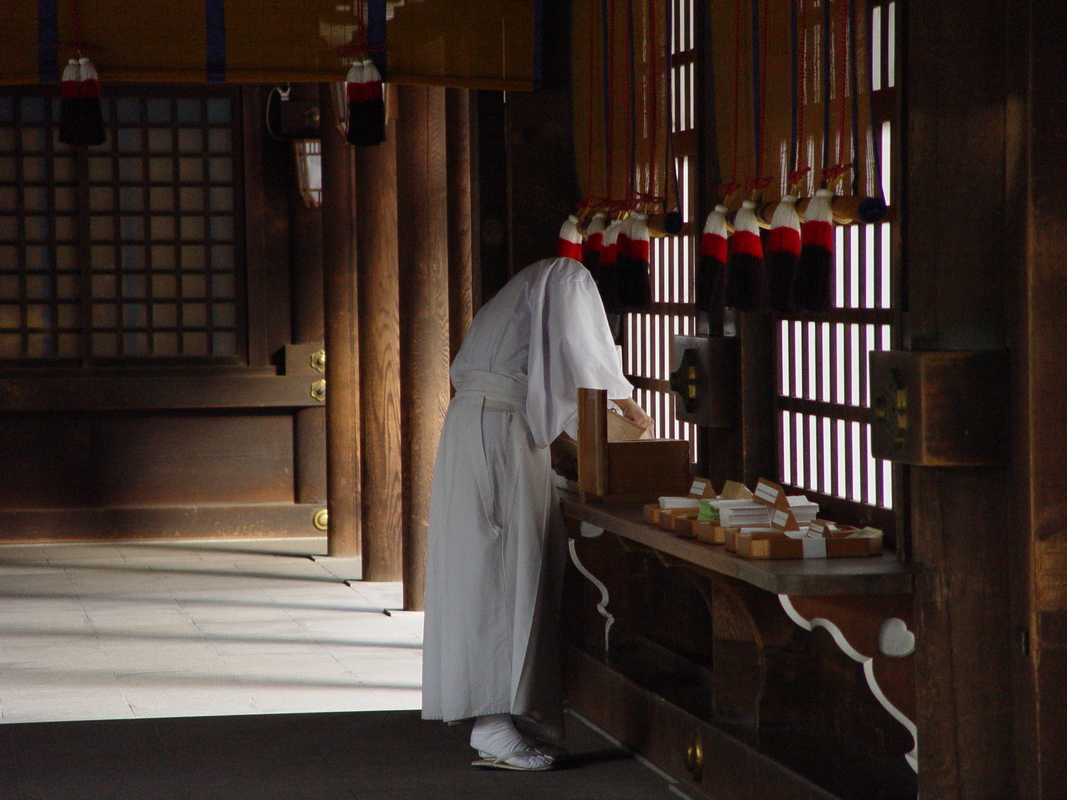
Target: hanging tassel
[812, 283]
[81, 119]
[593, 245]
[569, 243]
[366, 104]
[711, 268]
[69, 106]
[609, 274]
[744, 286]
[635, 285]
[783, 252]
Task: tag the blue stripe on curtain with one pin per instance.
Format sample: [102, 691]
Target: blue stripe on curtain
[376, 35]
[215, 22]
[48, 40]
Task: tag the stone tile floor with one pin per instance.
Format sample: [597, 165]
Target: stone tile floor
[189, 628]
[238, 669]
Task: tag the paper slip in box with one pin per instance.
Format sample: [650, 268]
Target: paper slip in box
[653, 513]
[803, 509]
[674, 519]
[710, 532]
[732, 535]
[821, 528]
[742, 513]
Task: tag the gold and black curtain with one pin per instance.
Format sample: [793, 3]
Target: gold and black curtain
[462, 43]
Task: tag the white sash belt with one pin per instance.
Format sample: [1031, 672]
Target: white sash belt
[501, 392]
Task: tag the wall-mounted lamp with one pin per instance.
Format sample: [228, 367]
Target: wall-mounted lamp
[308, 153]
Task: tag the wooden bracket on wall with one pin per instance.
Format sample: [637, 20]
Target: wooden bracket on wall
[940, 409]
[873, 630]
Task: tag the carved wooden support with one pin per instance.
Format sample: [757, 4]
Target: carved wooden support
[591, 532]
[876, 632]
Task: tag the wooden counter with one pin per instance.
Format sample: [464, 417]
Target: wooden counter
[796, 577]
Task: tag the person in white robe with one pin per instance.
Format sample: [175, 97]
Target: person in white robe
[496, 546]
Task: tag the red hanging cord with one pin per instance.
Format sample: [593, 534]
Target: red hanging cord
[610, 102]
[589, 108]
[652, 116]
[763, 93]
[802, 94]
[832, 173]
[737, 86]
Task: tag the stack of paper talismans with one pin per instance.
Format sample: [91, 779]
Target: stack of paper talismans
[786, 538]
[804, 511]
[708, 525]
[672, 513]
[743, 513]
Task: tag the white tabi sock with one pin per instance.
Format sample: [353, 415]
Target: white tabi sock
[495, 735]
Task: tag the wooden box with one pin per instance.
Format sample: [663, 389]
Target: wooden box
[779, 545]
[625, 470]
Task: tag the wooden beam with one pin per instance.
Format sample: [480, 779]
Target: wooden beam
[379, 325]
[342, 336]
[179, 521]
[71, 390]
[421, 170]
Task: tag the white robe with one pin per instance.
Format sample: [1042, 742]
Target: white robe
[496, 545]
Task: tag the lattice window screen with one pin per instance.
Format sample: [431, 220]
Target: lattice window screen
[824, 430]
[130, 249]
[647, 335]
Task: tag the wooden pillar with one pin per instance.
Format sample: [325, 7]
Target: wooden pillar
[961, 262]
[424, 311]
[460, 216]
[379, 326]
[1040, 576]
[342, 351]
[305, 255]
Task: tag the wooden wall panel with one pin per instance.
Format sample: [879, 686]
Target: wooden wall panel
[95, 460]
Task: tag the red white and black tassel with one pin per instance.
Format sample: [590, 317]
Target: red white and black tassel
[635, 282]
[593, 245]
[609, 273]
[366, 104]
[745, 279]
[812, 284]
[569, 243]
[711, 267]
[81, 119]
[783, 252]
